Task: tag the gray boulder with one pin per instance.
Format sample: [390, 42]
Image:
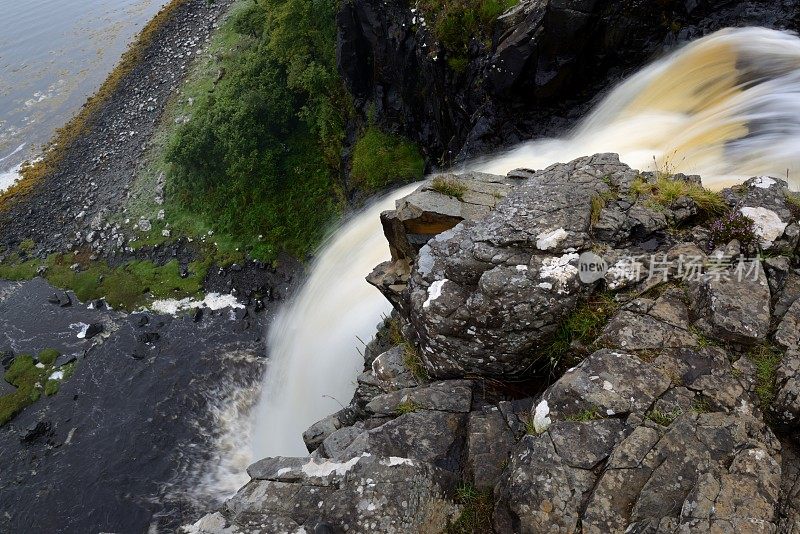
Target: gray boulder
[364, 494]
[632, 469]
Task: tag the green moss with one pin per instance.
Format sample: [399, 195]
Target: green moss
[128, 286]
[15, 269]
[23, 374]
[449, 186]
[477, 511]
[406, 407]
[48, 356]
[381, 159]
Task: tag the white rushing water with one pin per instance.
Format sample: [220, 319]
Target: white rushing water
[726, 107]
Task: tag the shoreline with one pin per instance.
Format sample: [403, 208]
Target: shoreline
[86, 169]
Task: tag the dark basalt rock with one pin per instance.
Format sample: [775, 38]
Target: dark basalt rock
[547, 59]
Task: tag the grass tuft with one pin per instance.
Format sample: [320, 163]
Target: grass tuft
[413, 362]
[665, 190]
[476, 514]
[766, 360]
[449, 186]
[664, 418]
[583, 325]
[584, 416]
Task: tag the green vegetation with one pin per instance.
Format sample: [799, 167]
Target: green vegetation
[413, 362]
[664, 418]
[584, 416]
[701, 405]
[598, 203]
[766, 360]
[583, 326]
[793, 203]
[451, 187]
[261, 150]
[703, 341]
[381, 159]
[733, 225]
[412, 359]
[476, 514]
[407, 406]
[128, 286]
[31, 381]
[455, 23]
[665, 190]
[257, 156]
[48, 356]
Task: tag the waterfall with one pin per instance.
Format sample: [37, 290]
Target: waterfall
[726, 107]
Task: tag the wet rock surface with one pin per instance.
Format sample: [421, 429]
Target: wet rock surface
[677, 415]
[134, 431]
[536, 75]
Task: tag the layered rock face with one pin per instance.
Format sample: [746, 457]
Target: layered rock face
[543, 57]
[679, 412]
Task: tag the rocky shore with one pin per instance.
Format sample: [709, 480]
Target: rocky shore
[71, 208]
[518, 389]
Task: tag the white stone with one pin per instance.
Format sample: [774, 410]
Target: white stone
[541, 417]
[548, 240]
[434, 292]
[768, 225]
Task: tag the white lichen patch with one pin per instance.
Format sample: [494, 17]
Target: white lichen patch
[522, 268]
[608, 386]
[326, 468]
[763, 182]
[396, 460]
[768, 225]
[551, 239]
[560, 269]
[541, 417]
[434, 292]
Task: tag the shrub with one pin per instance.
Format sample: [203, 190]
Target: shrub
[258, 159]
[733, 225]
[381, 159]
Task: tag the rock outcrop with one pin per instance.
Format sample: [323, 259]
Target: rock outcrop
[527, 77]
[677, 412]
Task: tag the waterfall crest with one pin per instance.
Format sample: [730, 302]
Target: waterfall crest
[726, 107]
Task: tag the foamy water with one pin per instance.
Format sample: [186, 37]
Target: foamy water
[726, 107]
